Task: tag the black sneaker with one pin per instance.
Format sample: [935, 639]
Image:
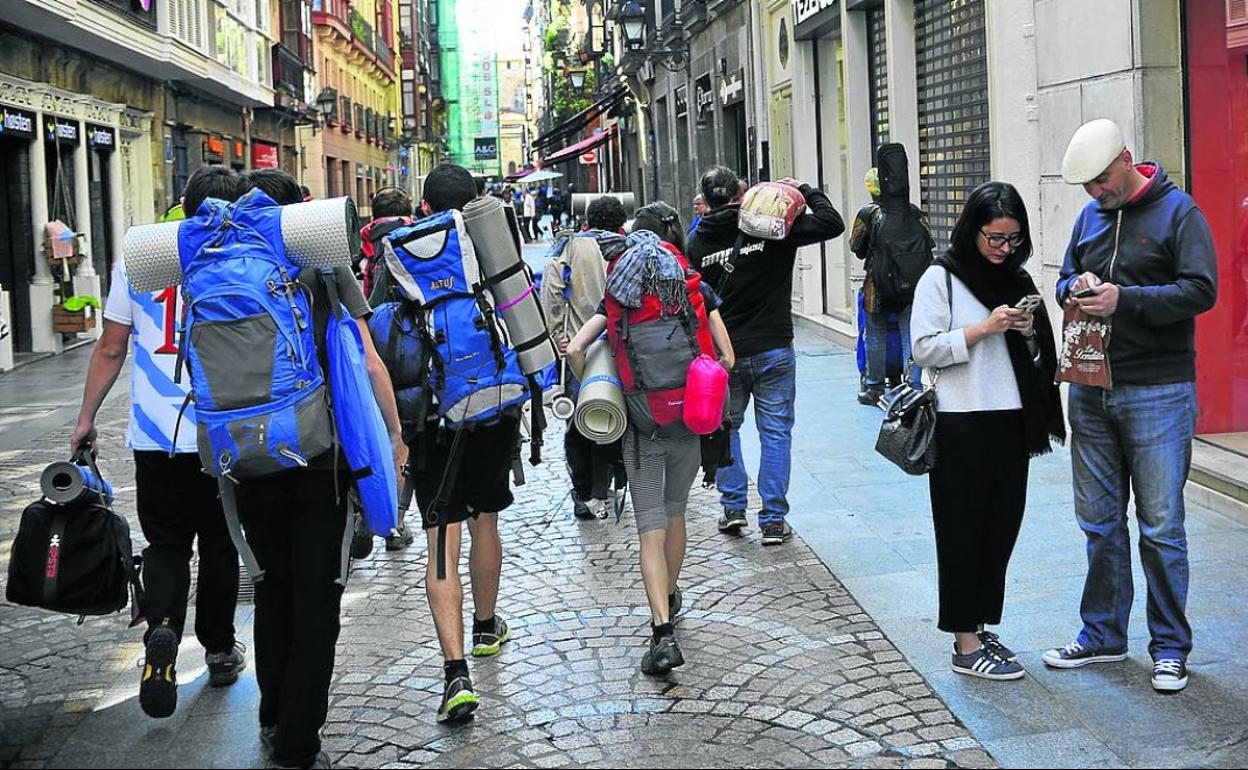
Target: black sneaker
[268, 738]
[675, 602]
[224, 667]
[663, 656]
[733, 520]
[458, 700]
[322, 762]
[986, 664]
[581, 510]
[361, 538]
[776, 532]
[992, 642]
[1075, 655]
[158, 690]
[1169, 675]
[402, 539]
[870, 396]
[485, 645]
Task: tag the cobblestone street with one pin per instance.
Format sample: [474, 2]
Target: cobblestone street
[784, 668]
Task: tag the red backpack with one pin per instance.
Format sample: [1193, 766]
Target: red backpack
[653, 354]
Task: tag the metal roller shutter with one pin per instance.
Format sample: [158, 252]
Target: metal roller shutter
[877, 65]
[954, 153]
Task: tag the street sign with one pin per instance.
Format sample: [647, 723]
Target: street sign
[589, 158]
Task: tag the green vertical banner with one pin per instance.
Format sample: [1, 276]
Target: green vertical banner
[477, 143]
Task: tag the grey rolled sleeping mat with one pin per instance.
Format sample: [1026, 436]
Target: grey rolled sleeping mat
[581, 201]
[510, 281]
[319, 233]
[601, 415]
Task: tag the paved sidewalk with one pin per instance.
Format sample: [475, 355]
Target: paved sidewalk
[784, 667]
[871, 525]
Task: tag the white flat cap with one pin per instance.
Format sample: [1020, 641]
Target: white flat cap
[1093, 147]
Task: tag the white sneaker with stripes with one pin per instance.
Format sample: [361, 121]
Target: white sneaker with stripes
[986, 664]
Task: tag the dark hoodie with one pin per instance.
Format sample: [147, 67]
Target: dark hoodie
[1166, 268]
[757, 291]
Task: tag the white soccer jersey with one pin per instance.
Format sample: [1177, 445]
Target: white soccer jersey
[155, 398]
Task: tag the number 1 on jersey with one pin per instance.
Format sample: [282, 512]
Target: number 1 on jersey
[170, 299]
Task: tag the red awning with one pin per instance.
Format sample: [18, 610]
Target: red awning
[572, 151]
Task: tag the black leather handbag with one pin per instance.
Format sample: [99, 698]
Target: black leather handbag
[908, 435]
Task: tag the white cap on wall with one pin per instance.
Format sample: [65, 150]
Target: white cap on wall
[1093, 147]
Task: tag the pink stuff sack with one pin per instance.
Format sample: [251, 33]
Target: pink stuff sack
[706, 395]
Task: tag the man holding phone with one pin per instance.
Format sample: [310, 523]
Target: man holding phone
[1141, 255]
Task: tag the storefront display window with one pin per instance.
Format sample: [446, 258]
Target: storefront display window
[1217, 92]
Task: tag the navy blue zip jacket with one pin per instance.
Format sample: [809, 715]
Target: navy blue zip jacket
[1158, 249]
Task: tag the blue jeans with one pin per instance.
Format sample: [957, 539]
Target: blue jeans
[1135, 438]
[771, 378]
[877, 347]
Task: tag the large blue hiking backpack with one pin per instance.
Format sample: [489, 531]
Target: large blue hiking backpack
[474, 374]
[250, 345]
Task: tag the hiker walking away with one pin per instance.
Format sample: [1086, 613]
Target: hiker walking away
[556, 204]
[652, 282]
[979, 321]
[1141, 256]
[392, 209]
[295, 523]
[176, 502]
[896, 247]
[755, 279]
[573, 286]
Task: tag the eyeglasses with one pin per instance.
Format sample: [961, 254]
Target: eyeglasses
[996, 240]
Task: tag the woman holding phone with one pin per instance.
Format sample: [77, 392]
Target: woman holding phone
[979, 322]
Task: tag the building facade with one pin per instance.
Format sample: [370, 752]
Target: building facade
[108, 107]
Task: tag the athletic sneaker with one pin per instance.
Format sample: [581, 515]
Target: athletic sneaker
[1075, 655]
[361, 538]
[986, 664]
[1169, 675]
[403, 539]
[580, 509]
[992, 642]
[733, 520]
[224, 667]
[268, 738]
[458, 700]
[663, 656]
[486, 644]
[598, 509]
[158, 690]
[776, 532]
[675, 602]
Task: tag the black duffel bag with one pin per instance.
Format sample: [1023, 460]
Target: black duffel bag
[75, 558]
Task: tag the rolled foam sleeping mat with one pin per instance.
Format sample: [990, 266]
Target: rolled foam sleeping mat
[510, 281]
[319, 233]
[581, 201]
[600, 413]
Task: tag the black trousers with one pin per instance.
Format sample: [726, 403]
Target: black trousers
[979, 491]
[177, 502]
[592, 466]
[295, 524]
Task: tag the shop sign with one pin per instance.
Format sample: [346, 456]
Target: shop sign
[704, 99]
[62, 130]
[812, 18]
[214, 148]
[17, 123]
[101, 137]
[486, 148]
[264, 155]
[732, 88]
[682, 101]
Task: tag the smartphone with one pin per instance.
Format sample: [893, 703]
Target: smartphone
[1085, 293]
[1030, 302]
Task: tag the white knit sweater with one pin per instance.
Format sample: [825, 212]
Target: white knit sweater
[972, 379]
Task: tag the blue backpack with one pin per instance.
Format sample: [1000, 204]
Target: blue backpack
[474, 373]
[396, 332]
[248, 339]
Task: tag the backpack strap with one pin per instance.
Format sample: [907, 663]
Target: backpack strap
[730, 265]
[229, 504]
[537, 426]
[435, 515]
[51, 578]
[133, 566]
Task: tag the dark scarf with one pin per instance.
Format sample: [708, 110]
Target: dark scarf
[997, 285]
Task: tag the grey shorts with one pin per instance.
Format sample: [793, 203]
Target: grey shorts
[660, 474]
